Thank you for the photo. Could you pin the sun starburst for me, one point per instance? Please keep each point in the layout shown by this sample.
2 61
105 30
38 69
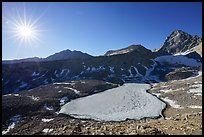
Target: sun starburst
23 28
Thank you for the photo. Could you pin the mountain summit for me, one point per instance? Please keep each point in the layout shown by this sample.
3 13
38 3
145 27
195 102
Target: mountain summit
67 54
129 49
179 41
62 55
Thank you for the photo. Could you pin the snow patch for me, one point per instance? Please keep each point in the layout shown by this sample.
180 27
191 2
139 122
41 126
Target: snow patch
120 52
8 129
187 51
157 94
170 90
195 106
47 130
47 120
111 69
63 70
148 75
75 91
14 120
34 98
63 100
62 73
7 95
16 95
172 103
64 83
196 88
198 94
57 87
199 73
178 59
23 85
48 107
88 69
52 79
45 81
35 74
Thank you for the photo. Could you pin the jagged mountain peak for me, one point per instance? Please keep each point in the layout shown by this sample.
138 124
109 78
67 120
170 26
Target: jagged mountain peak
179 41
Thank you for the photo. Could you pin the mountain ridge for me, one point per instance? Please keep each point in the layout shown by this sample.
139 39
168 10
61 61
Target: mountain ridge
62 55
179 41
138 65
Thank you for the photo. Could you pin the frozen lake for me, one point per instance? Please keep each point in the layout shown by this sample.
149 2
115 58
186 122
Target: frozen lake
128 101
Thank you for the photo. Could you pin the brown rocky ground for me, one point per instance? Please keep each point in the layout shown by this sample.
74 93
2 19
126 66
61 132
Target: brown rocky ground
180 124
179 118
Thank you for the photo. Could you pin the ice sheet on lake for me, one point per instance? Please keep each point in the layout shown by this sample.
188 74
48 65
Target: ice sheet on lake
128 101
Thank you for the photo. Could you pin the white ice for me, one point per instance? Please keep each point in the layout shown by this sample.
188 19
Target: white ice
128 101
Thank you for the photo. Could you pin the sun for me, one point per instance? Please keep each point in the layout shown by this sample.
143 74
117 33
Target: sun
25 31
22 27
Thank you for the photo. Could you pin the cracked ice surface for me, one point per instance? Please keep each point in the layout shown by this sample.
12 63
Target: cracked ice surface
128 101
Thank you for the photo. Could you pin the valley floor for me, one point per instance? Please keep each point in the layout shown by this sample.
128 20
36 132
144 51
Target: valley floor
183 116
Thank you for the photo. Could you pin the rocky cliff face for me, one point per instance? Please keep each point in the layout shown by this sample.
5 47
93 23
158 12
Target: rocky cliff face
198 49
178 42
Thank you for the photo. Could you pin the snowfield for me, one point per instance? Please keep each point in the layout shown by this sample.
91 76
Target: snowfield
178 59
130 101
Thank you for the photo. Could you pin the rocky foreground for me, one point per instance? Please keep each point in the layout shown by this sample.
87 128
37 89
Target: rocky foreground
38 114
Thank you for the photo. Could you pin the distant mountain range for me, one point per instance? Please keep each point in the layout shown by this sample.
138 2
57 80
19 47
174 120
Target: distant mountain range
63 55
132 64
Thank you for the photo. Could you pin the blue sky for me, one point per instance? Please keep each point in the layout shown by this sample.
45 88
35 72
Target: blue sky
95 28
